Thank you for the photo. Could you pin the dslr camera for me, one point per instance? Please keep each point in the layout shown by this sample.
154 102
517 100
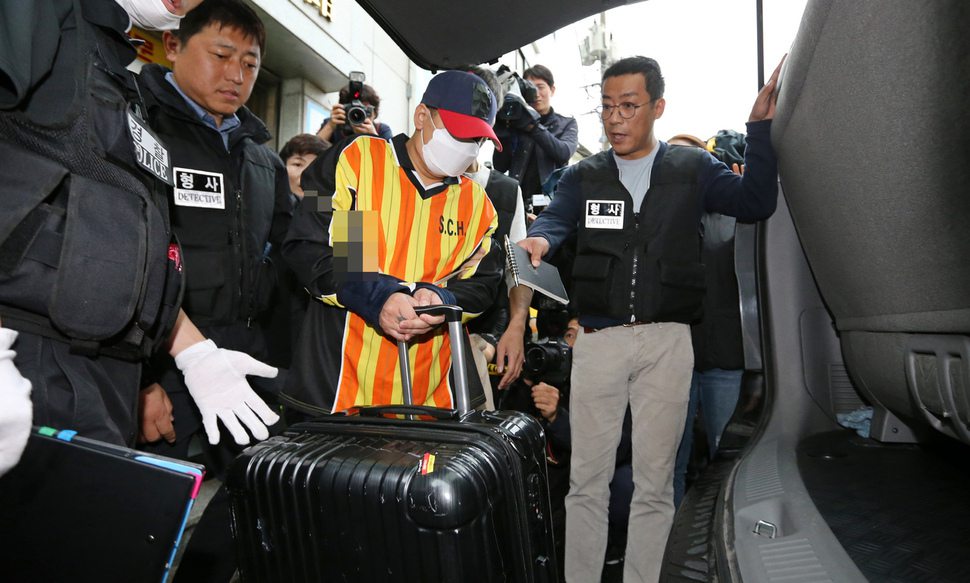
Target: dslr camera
517 111
357 112
549 361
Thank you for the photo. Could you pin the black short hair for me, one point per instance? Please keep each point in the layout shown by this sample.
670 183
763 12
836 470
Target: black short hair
231 13
303 144
367 95
540 72
488 76
643 65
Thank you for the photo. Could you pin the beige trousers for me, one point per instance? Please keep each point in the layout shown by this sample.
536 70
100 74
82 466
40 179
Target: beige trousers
648 366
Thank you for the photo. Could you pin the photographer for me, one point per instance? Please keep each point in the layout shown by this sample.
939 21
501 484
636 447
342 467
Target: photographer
337 126
537 140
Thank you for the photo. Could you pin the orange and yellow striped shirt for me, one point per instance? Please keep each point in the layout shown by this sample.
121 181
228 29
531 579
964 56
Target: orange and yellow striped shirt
378 211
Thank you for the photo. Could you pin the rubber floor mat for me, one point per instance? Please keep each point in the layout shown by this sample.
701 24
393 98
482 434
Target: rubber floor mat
902 512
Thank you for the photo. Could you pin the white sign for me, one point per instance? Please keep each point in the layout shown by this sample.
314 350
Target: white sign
199 189
604 214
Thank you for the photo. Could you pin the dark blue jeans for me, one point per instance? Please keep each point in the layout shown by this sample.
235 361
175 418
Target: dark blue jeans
716 392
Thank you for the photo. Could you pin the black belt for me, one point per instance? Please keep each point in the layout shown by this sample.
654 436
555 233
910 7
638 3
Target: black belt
588 330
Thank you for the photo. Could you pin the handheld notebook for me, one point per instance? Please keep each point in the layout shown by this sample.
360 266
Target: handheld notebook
76 509
544 279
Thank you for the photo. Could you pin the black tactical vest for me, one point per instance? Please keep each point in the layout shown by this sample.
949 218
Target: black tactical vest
84 242
641 264
227 271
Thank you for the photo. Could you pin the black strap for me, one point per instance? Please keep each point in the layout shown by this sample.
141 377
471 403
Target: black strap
382 410
126 349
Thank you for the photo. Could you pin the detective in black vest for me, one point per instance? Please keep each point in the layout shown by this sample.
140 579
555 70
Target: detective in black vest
638 282
230 201
230 206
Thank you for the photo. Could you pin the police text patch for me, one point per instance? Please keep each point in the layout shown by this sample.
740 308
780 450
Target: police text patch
150 152
200 189
604 214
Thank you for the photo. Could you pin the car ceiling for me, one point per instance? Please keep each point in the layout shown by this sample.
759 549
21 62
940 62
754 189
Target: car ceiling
444 34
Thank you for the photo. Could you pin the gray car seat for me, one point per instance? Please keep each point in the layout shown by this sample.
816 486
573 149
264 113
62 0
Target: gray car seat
873 137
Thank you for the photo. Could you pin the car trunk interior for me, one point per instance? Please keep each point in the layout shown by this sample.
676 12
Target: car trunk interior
863 290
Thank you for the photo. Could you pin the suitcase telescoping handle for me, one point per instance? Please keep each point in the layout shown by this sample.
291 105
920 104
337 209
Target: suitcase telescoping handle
452 316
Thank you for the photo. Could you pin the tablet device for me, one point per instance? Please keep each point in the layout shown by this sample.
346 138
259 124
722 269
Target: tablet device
77 509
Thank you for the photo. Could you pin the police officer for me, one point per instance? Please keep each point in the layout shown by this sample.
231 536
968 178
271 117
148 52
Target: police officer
88 277
230 205
230 201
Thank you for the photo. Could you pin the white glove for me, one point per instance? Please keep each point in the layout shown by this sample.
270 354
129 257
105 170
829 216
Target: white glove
216 379
16 411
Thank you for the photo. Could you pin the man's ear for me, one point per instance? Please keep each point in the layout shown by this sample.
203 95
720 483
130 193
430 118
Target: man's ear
658 109
421 116
172 45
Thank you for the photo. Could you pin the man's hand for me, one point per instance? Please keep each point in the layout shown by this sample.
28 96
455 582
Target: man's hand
510 354
483 346
398 308
329 131
367 128
546 399
537 248
338 116
510 350
398 319
764 104
216 379
155 415
425 322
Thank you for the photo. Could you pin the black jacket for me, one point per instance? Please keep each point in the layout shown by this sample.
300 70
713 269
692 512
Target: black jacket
502 191
227 276
717 336
530 157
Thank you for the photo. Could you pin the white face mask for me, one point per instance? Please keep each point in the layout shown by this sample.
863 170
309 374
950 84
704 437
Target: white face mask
150 14
446 156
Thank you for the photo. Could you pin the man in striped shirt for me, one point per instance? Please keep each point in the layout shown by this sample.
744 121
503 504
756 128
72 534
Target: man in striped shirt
386 226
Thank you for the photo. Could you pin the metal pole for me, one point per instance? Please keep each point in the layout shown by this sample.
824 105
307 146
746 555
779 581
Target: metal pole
402 355
760 15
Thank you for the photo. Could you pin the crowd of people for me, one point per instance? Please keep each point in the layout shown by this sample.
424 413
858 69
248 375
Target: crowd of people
164 274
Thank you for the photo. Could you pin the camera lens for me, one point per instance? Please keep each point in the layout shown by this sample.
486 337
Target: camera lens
535 359
356 115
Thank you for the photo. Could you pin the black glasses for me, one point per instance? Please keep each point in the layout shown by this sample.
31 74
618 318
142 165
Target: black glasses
627 110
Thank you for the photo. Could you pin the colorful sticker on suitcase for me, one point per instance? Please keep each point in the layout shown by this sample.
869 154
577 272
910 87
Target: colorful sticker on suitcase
426 465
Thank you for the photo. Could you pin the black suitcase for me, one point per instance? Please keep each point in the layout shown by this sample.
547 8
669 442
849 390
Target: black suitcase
462 497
